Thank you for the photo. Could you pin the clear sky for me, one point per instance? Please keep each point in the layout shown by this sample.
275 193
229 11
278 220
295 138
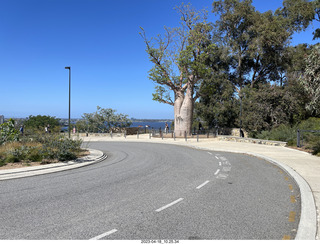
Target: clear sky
100 40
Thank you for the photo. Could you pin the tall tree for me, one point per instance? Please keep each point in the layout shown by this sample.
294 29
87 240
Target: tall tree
235 32
179 64
256 41
298 13
268 106
217 104
310 80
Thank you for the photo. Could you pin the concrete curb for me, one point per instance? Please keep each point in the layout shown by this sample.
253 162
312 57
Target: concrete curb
94 157
307 229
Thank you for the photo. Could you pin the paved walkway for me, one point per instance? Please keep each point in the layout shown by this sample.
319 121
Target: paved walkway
305 169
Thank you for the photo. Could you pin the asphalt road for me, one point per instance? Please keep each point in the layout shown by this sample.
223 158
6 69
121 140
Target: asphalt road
154 191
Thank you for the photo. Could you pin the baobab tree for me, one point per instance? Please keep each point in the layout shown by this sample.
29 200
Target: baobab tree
179 58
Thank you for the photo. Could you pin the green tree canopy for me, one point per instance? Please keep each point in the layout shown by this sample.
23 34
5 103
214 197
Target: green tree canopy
268 106
102 121
256 42
310 80
39 122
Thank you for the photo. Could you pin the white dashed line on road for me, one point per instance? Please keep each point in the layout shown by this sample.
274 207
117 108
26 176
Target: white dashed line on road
217 172
226 169
222 176
104 234
203 184
169 205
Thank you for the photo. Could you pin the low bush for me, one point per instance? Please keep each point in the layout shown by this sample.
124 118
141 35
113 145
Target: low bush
2 161
282 133
316 148
46 149
289 134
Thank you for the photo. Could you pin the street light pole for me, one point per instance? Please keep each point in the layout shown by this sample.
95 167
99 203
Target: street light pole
240 115
69 128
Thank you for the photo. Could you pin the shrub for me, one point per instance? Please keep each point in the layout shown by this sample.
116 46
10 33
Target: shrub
51 149
34 155
2 161
289 134
281 133
316 148
8 132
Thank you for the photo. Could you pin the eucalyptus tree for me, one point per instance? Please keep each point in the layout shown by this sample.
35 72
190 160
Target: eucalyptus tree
310 80
299 13
256 41
179 59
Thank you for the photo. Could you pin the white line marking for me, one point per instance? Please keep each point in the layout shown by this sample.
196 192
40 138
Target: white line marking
209 153
169 205
226 169
217 157
203 184
222 176
104 234
217 172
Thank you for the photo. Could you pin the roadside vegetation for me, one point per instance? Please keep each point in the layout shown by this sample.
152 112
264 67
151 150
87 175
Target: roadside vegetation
37 146
310 140
241 70
104 120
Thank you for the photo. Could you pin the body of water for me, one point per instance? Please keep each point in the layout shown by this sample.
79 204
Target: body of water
154 125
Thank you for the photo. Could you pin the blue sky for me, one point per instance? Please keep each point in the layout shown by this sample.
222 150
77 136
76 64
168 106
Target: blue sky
100 40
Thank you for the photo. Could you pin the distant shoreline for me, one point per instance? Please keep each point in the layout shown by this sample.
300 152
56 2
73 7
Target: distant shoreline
151 120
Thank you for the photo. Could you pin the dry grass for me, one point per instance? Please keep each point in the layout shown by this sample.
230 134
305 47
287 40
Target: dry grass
16 165
14 145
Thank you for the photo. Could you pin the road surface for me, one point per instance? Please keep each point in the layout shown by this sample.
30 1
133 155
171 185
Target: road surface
154 191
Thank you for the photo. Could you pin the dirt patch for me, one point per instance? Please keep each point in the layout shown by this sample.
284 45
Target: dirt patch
30 164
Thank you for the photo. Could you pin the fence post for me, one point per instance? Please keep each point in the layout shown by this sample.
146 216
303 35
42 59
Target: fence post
149 134
185 135
111 134
298 138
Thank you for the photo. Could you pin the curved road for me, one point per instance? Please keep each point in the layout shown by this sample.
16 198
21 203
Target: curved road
154 191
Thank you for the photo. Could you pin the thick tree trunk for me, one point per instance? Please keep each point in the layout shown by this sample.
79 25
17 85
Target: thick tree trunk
183 113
